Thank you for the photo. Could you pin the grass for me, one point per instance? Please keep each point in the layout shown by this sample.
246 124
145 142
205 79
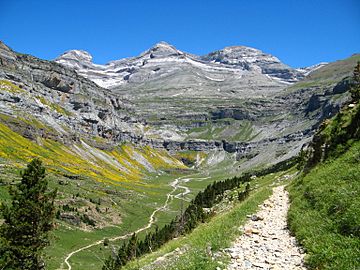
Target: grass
137 192
10 87
224 129
325 212
54 106
134 210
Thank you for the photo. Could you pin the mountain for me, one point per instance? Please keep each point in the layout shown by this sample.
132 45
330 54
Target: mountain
253 59
166 98
307 70
164 59
164 77
60 99
167 124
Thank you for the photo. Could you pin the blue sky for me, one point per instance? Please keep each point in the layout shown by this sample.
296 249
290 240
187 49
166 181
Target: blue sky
300 33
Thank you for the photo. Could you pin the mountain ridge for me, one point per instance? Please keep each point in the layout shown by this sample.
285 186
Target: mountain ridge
165 112
117 72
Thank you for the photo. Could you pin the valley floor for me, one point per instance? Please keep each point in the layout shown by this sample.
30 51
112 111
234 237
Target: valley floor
169 197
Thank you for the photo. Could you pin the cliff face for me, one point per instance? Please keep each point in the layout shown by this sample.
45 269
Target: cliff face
163 59
238 100
66 104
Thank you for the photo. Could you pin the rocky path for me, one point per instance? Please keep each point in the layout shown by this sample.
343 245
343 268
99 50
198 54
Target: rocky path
266 243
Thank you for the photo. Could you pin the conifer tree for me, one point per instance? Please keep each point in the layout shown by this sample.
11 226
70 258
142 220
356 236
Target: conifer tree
131 250
27 221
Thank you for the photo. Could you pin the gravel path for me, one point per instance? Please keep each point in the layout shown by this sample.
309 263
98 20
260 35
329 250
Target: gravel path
266 242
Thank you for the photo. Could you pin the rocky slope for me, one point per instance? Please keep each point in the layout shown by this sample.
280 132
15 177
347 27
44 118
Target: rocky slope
58 98
237 99
234 94
163 59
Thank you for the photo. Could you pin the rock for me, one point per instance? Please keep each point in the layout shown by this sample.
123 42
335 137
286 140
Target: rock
70 218
253 59
313 104
67 96
343 86
256 218
247 264
248 231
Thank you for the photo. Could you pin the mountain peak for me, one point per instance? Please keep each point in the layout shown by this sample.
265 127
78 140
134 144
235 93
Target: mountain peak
162 49
163 45
240 48
78 55
244 53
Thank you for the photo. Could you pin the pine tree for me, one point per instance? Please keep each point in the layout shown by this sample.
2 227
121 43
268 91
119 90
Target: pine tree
131 250
122 258
27 221
355 89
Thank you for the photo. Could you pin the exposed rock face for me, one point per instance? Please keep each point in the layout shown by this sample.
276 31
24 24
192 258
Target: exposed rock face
59 98
163 59
176 91
253 59
76 56
236 100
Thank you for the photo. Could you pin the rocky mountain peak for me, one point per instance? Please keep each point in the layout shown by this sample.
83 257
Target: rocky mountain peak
162 49
238 55
164 59
253 59
163 45
77 55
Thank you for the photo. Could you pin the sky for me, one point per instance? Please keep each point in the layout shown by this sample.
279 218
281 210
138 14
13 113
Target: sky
300 33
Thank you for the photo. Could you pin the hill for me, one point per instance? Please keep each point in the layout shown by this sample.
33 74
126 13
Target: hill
324 213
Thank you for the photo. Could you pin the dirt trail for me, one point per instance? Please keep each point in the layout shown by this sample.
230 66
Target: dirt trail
266 243
169 196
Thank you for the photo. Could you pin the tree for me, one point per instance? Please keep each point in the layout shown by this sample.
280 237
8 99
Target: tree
27 221
131 250
355 89
106 242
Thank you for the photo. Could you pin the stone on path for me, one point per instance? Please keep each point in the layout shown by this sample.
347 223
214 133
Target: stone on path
266 243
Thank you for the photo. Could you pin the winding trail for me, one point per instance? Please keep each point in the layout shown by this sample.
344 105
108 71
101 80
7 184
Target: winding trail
169 196
266 243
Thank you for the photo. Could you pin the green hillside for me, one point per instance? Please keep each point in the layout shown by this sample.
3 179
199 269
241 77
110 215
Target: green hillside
325 210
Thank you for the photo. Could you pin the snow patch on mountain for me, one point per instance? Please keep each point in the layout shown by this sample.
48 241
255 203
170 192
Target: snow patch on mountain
163 59
307 70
